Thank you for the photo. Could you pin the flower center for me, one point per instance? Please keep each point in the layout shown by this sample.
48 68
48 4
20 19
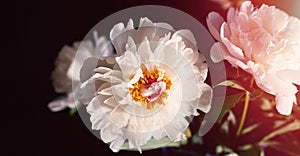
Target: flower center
151 88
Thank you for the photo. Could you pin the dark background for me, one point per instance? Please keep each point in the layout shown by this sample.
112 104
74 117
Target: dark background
46 26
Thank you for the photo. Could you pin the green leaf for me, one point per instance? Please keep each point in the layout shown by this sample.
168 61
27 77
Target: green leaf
72 111
154 143
229 102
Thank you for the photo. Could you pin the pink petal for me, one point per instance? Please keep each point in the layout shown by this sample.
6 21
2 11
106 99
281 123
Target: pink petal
246 7
292 76
214 22
217 52
284 104
233 49
283 90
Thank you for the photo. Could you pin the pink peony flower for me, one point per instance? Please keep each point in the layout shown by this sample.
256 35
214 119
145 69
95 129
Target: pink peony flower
225 4
265 42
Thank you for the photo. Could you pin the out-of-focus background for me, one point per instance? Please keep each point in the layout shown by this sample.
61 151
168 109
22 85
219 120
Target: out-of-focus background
49 25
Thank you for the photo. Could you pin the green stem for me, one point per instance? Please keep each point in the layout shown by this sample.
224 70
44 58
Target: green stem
245 110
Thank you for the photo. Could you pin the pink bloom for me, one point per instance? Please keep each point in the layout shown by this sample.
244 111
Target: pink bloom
225 4
265 42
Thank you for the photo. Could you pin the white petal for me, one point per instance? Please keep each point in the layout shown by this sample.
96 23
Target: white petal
111 102
85 51
106 91
88 90
176 128
58 104
90 64
128 63
144 50
190 55
137 76
130 45
107 135
187 34
116 31
97 115
102 70
103 47
116 145
206 98
203 103
202 68
145 22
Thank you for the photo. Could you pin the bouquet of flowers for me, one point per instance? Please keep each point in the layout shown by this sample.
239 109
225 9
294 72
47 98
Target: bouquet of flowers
153 86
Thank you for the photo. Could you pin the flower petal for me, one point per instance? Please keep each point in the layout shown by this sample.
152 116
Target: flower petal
90 64
103 47
128 63
214 22
144 50
58 104
219 52
175 128
130 45
186 34
284 104
232 49
116 145
206 98
118 29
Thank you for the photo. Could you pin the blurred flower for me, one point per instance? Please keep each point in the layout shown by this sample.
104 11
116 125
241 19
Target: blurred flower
63 73
265 42
225 4
147 91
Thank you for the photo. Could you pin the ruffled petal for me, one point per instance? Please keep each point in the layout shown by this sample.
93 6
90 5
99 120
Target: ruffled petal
117 144
128 63
283 90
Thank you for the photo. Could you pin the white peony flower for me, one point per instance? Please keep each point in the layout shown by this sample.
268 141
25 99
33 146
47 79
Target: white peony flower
146 92
65 70
265 42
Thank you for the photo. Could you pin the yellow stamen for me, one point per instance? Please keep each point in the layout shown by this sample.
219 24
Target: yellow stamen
148 78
